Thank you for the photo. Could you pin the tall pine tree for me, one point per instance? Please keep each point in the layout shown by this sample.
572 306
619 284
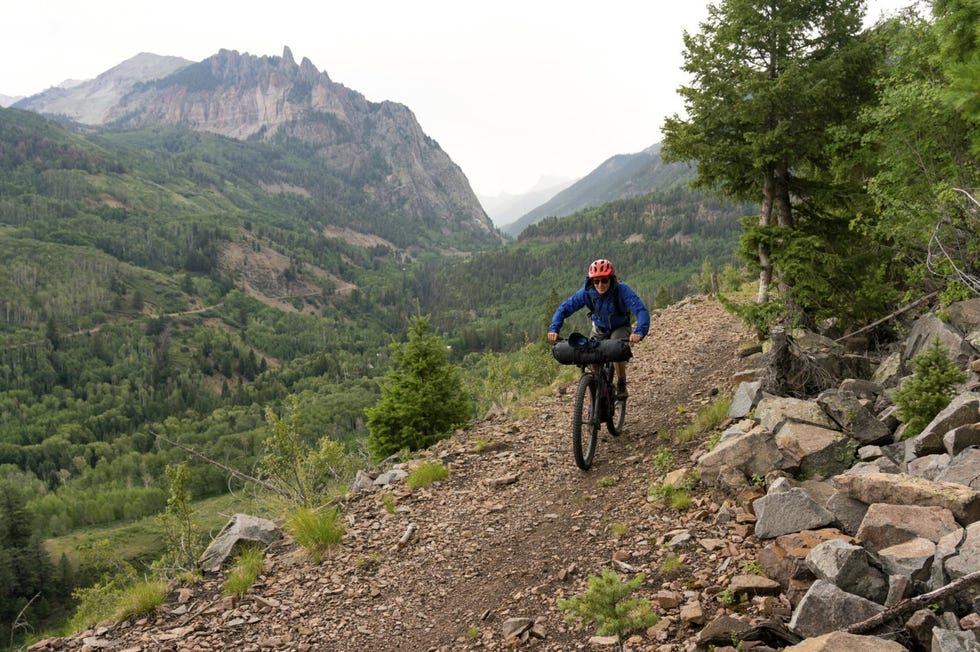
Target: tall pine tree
26 576
770 79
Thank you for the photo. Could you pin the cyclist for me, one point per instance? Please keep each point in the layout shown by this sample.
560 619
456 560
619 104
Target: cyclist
610 304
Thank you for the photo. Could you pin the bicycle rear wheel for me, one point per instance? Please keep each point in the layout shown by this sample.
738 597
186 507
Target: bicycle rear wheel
617 417
613 409
585 421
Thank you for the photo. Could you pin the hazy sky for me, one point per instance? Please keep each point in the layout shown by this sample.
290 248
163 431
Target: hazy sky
513 91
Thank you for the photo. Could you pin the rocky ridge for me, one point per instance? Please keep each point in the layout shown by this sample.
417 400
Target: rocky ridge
761 558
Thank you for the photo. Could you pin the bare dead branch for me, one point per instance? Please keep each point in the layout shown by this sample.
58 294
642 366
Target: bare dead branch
898 312
409 531
914 604
227 469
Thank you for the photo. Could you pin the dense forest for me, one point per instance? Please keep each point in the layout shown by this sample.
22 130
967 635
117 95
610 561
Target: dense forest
163 285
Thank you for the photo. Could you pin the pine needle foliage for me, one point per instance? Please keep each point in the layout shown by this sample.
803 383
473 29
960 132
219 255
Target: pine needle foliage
422 398
609 604
929 390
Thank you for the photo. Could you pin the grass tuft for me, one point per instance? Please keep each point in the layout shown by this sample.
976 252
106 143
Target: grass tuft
426 473
316 530
248 566
140 598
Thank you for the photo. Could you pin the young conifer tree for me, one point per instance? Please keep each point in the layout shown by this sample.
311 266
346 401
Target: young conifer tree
422 397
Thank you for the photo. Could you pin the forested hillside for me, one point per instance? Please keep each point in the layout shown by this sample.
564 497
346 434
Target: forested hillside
619 177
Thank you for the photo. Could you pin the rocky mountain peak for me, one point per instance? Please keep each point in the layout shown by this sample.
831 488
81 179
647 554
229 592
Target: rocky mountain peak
287 57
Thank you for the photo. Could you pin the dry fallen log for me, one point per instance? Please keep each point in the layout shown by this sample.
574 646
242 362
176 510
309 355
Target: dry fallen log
914 604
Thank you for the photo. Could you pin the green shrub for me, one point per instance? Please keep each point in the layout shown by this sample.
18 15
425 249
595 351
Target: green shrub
96 603
678 498
301 474
315 530
663 461
248 566
608 604
426 473
100 601
183 538
928 391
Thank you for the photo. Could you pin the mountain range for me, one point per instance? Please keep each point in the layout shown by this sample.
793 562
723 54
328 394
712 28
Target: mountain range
377 148
506 208
619 177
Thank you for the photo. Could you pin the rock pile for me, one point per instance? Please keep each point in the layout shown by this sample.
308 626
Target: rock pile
859 521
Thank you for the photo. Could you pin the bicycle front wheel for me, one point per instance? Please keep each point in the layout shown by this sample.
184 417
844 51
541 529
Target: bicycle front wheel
585 421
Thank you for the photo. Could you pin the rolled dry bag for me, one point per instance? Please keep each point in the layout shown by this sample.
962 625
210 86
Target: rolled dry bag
593 352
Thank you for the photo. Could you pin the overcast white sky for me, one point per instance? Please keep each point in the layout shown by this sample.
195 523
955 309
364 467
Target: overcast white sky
513 91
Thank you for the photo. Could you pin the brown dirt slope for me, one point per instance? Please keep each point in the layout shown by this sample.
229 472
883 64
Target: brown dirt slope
514 528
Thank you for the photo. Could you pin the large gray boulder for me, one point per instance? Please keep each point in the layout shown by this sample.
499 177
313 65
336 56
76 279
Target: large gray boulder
828 608
844 642
963 410
929 327
902 489
775 410
815 451
241 529
788 511
853 417
754 453
849 567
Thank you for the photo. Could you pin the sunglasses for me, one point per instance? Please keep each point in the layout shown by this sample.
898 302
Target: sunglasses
604 279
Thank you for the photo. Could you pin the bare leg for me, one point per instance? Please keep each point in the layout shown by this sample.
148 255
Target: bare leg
620 370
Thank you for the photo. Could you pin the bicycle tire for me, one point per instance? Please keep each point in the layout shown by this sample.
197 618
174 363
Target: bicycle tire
613 409
617 418
585 414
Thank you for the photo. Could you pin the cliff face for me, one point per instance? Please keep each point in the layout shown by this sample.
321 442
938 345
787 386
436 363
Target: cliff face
378 147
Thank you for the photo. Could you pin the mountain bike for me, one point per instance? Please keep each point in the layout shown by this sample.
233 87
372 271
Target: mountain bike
596 401
595 404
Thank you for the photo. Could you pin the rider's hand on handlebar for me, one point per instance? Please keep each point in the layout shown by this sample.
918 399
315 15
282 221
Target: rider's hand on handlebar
552 337
635 338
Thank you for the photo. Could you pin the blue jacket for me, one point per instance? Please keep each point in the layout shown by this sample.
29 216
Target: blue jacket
610 310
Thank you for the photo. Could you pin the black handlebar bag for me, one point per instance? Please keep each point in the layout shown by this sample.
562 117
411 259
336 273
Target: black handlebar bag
579 350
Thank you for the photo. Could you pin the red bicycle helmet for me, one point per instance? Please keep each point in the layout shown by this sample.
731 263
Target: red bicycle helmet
601 267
